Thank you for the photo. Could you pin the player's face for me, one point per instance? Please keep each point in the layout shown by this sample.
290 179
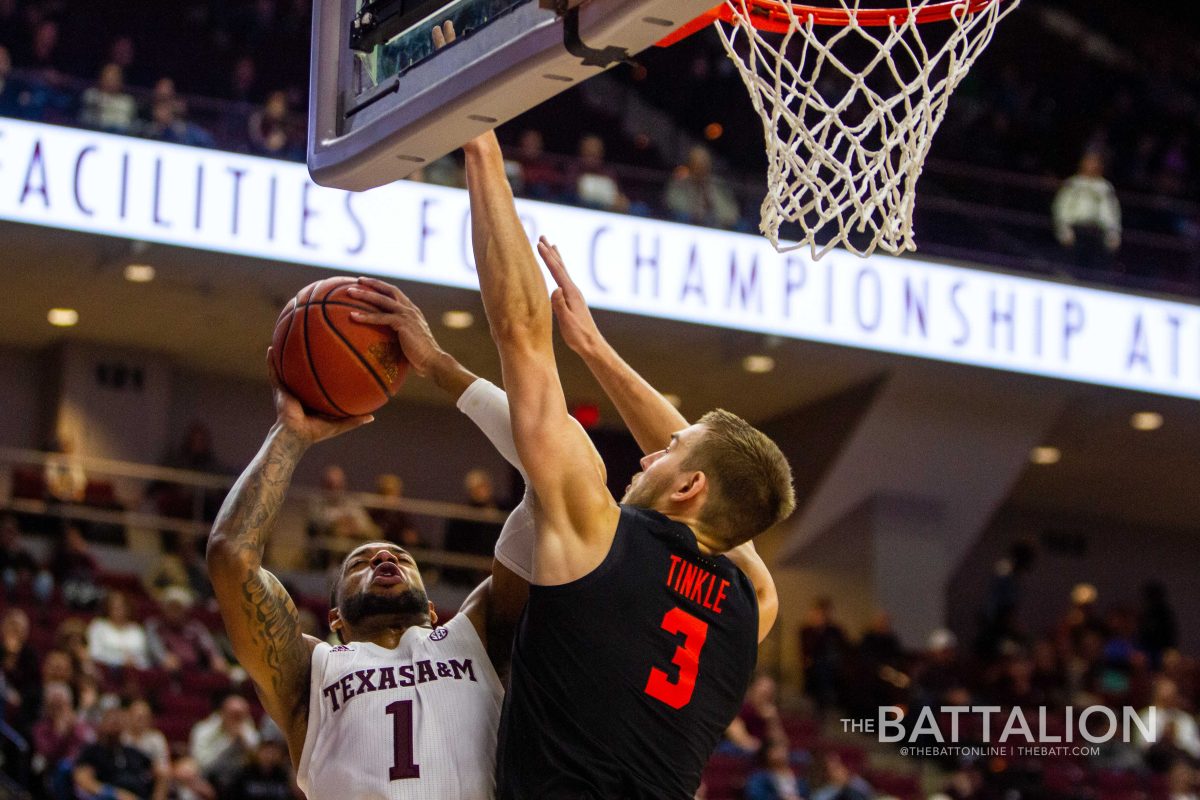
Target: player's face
660 470
381 580
380 568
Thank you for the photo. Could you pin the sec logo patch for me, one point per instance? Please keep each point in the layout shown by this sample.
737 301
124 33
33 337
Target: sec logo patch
438 634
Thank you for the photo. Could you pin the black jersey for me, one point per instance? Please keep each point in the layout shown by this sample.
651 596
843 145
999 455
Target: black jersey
624 680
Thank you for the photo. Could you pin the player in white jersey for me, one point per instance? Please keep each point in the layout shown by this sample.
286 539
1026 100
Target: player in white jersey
401 709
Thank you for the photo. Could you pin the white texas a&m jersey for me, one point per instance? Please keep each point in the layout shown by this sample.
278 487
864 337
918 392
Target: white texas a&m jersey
414 723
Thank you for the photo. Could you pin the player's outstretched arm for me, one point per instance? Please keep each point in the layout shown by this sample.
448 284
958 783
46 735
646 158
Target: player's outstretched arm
577 515
259 615
647 414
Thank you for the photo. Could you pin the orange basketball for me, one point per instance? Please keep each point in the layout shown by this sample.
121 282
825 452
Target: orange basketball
333 365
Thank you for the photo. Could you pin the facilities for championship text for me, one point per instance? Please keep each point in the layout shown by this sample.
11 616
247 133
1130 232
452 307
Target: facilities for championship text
333 365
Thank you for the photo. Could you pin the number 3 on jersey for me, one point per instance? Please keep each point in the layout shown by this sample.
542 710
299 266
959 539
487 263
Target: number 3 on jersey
678 693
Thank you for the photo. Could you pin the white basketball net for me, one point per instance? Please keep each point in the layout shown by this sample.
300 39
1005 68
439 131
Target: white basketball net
849 113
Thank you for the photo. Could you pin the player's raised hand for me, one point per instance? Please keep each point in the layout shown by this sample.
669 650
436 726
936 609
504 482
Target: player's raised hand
570 308
290 414
394 310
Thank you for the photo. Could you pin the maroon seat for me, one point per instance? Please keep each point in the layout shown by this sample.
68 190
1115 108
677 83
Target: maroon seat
28 483
100 494
184 704
176 729
204 682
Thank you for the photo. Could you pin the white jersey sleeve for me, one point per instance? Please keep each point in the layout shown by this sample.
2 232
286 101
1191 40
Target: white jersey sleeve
417 722
487 406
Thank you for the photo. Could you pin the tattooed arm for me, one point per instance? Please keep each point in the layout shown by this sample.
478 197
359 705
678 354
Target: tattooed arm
259 616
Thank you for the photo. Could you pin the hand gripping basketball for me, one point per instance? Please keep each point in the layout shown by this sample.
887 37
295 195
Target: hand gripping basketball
290 414
394 310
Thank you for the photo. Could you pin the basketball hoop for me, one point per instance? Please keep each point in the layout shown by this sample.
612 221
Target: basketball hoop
849 99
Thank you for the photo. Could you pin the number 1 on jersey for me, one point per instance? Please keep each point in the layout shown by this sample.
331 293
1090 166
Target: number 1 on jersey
403 767
678 693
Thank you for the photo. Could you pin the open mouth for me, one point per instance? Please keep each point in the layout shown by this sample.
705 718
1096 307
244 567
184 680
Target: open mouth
388 574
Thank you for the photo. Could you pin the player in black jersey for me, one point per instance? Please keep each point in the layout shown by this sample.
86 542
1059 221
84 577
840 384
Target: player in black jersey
639 637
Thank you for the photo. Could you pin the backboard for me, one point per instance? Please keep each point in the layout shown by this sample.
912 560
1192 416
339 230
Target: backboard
383 102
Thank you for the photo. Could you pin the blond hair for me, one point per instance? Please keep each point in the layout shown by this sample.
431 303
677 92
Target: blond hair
750 479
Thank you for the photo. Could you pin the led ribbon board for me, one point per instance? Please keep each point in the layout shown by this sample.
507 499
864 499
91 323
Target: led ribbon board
229 203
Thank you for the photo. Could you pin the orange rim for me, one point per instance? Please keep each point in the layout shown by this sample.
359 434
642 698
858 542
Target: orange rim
772 16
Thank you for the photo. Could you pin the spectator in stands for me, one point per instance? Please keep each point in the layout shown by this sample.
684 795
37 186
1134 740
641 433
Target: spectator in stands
1048 678
42 96
1181 782
1082 619
999 626
10 88
107 106
222 742
18 662
823 647
19 570
540 177
141 734
71 638
187 783
840 781
76 570
876 671
168 123
59 734
267 776
271 131
1175 733
937 678
393 523
694 195
123 53
776 778
1087 216
473 536
181 566
243 86
759 715
42 55
115 639
178 641
195 453
11 24
334 514
593 183
1158 628
57 667
110 769
66 481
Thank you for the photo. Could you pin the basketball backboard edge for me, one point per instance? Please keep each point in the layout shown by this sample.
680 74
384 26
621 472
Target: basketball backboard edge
515 62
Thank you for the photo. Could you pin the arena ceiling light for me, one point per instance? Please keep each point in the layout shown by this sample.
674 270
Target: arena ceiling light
458 320
758 363
1146 421
139 273
1045 455
62 317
